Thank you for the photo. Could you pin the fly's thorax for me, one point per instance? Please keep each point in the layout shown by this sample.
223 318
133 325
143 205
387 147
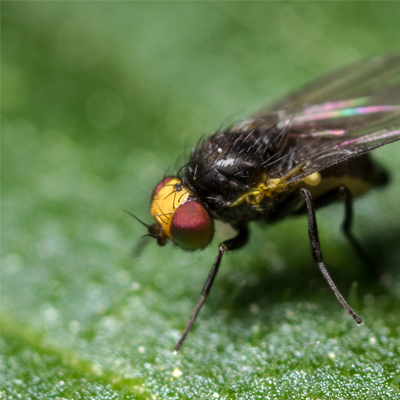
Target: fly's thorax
181 216
229 163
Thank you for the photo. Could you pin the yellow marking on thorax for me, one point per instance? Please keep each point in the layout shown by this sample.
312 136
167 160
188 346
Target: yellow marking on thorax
317 185
267 188
166 201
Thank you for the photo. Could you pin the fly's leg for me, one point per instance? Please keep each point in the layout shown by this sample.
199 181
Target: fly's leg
291 206
346 227
228 245
334 195
316 250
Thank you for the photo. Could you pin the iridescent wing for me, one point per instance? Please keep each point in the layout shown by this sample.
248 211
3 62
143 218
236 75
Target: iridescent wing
360 79
341 115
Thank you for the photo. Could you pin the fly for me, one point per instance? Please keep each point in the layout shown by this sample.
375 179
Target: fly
303 152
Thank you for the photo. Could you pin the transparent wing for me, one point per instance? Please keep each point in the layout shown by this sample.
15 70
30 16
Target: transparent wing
361 79
339 116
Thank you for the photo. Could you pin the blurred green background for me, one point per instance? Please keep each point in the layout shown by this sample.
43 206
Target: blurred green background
98 99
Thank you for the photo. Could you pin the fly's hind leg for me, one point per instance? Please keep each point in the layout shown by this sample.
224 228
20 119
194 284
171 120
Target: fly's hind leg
339 193
299 196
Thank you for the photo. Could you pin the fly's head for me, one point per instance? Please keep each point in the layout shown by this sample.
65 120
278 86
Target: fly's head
179 216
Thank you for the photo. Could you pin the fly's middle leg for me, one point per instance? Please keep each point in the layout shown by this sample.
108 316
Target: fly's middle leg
343 193
303 195
316 251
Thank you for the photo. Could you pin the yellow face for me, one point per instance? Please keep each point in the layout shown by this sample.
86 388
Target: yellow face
184 221
169 195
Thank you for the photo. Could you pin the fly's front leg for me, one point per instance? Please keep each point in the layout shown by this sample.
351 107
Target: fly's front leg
228 245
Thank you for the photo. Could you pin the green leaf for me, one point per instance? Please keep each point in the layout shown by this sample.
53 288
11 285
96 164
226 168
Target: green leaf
98 99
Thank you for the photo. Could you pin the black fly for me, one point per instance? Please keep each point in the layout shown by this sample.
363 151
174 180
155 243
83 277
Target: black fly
301 153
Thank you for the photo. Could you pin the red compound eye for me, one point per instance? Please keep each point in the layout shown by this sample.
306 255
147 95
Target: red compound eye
191 226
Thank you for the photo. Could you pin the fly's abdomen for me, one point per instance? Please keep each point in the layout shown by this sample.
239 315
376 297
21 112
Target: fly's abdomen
358 174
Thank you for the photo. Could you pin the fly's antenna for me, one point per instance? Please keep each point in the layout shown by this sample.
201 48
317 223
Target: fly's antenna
148 235
141 244
137 219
